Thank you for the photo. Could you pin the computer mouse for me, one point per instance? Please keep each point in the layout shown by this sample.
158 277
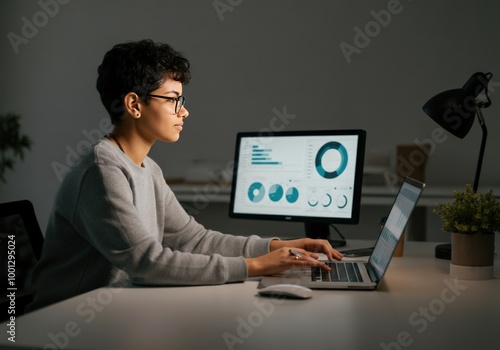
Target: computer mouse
286 290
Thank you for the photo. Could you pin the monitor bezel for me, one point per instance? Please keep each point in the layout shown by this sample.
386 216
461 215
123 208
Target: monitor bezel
358 178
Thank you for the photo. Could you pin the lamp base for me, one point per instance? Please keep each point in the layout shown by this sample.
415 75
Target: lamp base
443 251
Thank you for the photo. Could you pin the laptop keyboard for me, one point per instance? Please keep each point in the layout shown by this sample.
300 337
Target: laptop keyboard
340 272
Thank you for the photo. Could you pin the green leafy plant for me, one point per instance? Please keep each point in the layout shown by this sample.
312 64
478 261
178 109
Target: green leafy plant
470 212
12 142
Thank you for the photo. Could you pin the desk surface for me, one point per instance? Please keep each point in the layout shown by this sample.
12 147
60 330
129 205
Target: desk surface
418 306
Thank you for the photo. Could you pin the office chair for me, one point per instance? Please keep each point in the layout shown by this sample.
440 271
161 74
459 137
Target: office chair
21 243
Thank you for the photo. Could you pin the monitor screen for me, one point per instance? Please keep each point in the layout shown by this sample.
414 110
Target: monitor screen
308 176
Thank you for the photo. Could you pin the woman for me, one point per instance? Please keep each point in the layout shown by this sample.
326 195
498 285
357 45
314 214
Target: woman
116 221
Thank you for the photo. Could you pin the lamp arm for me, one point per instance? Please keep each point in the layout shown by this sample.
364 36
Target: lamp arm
481 150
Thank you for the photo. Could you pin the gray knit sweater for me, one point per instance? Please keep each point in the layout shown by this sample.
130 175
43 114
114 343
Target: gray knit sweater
114 222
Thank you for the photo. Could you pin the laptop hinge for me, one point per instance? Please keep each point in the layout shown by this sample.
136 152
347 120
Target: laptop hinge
372 273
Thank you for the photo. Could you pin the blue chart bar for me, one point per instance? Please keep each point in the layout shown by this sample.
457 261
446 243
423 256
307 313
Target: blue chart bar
261 156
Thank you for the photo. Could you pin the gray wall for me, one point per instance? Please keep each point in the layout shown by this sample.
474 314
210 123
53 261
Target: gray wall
256 57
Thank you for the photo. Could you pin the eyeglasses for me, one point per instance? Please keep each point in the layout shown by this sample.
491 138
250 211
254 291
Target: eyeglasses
179 101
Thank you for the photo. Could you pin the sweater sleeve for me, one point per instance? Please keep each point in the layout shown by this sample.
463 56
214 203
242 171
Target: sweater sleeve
183 232
190 255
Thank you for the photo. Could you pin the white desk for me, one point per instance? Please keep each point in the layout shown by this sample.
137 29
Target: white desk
418 305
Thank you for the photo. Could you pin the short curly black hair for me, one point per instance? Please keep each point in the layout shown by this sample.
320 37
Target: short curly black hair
140 67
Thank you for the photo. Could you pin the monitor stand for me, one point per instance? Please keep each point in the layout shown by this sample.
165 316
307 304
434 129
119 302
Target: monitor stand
322 231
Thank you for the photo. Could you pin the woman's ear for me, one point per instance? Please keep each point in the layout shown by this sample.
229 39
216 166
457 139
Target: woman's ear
132 105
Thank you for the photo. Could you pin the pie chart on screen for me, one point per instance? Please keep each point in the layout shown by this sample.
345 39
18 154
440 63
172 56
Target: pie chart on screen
275 193
292 194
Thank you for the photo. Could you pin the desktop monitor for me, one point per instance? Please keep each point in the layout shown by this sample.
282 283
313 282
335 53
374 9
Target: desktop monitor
313 177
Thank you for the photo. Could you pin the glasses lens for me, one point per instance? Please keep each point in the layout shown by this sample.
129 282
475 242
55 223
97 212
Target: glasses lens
179 103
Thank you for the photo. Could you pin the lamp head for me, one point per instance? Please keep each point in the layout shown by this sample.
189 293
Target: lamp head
454 110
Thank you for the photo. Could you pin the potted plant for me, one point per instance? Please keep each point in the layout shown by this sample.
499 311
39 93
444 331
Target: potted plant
12 142
472 218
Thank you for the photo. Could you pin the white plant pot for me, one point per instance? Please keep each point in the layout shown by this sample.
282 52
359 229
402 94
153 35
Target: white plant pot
471 272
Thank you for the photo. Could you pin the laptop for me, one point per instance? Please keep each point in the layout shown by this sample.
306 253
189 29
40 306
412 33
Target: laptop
360 274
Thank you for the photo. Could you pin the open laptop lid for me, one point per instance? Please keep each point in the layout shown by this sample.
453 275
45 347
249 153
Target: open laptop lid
404 203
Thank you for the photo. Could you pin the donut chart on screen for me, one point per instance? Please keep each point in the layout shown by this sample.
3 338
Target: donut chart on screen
312 200
326 200
256 192
342 201
334 145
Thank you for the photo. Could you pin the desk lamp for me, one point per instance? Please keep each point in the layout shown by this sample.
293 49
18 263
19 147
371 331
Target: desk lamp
455 110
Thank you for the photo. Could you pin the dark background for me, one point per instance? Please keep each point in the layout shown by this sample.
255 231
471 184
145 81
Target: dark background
254 57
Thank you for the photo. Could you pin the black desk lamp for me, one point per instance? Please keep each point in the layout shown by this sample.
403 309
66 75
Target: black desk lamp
455 110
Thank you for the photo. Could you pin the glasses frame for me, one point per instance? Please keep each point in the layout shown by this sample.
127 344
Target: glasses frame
178 106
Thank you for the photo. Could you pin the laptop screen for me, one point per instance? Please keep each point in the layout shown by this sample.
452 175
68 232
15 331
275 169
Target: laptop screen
401 210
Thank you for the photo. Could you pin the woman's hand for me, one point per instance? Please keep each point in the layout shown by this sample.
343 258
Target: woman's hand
281 259
310 245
